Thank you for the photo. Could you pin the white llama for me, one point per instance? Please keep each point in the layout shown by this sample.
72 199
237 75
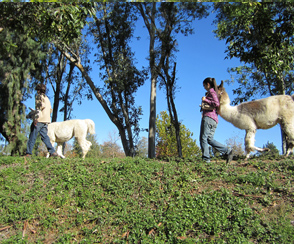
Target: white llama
61 132
259 114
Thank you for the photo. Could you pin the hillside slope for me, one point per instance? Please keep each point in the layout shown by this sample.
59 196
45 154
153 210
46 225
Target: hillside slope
136 200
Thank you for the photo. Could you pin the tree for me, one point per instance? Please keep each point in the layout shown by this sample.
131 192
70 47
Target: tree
261 36
67 150
272 152
142 148
77 150
163 21
110 148
19 58
112 29
166 139
236 144
95 150
59 70
3 110
169 84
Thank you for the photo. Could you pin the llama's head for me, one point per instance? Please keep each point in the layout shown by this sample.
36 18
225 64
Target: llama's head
223 95
32 114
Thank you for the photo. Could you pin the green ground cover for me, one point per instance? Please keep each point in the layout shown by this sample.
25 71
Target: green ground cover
136 200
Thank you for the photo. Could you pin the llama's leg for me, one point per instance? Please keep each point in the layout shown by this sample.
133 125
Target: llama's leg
85 146
288 129
290 149
59 150
249 143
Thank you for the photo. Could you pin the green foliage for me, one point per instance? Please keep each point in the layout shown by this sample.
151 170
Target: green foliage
111 149
261 36
166 145
50 22
17 63
145 201
94 152
273 150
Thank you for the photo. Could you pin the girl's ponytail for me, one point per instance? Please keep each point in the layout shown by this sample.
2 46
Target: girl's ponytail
215 86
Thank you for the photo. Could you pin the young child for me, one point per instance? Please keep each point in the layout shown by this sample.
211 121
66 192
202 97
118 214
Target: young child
210 104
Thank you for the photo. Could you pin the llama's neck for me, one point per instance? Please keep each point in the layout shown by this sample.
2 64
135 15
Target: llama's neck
226 111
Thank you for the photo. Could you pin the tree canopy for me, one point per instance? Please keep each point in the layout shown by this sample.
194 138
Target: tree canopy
260 34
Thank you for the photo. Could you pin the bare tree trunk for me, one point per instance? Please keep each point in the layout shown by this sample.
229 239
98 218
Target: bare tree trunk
149 20
152 120
176 124
169 86
60 71
65 112
66 105
56 102
174 112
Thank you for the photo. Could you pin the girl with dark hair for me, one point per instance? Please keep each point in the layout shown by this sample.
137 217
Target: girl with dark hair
210 104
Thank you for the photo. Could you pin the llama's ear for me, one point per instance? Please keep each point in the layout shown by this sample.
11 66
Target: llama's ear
221 84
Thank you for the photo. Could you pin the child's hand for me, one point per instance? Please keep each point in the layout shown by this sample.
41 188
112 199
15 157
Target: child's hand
203 98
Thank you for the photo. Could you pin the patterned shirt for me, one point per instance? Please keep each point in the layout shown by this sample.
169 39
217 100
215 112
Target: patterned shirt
211 99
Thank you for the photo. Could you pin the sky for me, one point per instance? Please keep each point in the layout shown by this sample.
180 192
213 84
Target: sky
200 55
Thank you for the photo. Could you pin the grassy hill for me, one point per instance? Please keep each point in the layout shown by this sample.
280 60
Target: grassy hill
136 200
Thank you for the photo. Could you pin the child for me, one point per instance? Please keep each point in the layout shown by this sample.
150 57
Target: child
210 104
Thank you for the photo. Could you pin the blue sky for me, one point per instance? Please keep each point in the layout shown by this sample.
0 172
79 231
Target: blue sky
200 55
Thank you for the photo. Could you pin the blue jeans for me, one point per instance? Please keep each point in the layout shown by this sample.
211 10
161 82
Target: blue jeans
42 129
207 130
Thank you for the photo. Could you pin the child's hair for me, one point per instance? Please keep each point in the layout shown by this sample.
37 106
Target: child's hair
41 88
212 83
